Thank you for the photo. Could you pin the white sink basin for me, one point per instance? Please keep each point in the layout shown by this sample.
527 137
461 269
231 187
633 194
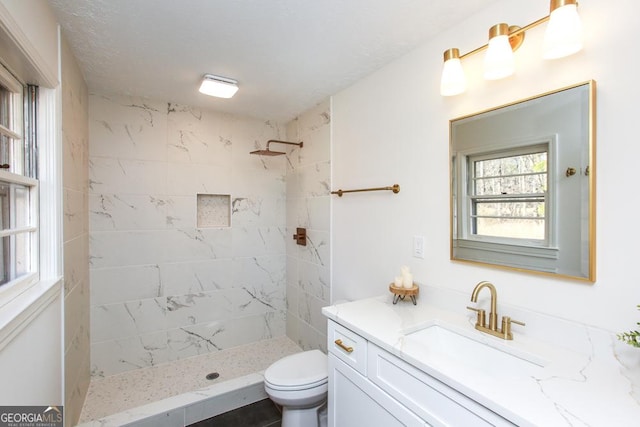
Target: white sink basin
472 349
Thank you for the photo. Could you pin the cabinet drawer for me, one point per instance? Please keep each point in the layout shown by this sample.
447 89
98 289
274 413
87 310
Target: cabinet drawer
432 400
348 346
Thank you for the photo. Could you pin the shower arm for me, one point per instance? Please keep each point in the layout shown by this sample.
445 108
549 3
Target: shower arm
299 144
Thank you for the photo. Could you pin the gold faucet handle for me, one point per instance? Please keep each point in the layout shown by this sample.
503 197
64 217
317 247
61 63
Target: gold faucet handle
506 326
481 319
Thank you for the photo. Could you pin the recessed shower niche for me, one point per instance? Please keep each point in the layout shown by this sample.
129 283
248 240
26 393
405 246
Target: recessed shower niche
213 210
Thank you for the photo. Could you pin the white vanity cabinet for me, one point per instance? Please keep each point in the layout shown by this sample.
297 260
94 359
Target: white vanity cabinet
353 399
369 386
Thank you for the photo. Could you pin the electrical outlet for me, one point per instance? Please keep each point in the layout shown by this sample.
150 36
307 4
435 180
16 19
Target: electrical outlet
418 247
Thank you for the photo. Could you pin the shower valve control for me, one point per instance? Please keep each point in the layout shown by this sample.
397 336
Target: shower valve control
301 236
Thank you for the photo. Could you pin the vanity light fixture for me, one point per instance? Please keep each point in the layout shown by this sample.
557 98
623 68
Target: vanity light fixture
220 87
563 37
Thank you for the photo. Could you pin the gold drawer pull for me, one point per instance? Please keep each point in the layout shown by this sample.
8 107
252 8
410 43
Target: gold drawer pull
344 347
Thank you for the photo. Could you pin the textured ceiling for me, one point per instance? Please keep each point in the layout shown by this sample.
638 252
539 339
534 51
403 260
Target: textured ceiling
287 55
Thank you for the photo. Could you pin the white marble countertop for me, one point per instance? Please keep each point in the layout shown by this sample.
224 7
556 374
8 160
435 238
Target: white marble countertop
587 377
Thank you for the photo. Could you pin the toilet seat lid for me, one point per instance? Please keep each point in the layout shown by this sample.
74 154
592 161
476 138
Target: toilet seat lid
300 369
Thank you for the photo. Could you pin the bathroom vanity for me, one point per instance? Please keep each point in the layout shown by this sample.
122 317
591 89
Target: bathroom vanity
372 387
427 365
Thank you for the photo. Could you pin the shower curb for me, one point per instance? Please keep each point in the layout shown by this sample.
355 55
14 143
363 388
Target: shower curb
191 407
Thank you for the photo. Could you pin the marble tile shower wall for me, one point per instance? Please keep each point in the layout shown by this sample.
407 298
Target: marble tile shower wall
162 289
75 162
308 205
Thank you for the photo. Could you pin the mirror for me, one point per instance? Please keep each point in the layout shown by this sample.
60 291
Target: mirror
523 184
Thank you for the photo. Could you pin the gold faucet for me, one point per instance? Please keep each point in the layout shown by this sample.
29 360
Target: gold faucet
481 325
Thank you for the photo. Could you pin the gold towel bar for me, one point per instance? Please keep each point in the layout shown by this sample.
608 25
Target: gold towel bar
395 188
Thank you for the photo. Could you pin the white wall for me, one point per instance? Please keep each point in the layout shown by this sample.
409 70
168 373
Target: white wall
30 365
392 127
32 26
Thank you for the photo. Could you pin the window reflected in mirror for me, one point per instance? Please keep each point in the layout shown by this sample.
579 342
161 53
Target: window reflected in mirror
508 195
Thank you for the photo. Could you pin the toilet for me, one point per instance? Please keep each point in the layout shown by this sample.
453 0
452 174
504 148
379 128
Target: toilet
299 384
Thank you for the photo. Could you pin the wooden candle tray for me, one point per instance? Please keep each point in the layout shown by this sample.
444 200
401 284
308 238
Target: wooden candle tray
399 293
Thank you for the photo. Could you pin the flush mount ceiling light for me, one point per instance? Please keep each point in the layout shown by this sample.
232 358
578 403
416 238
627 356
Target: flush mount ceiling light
220 87
563 37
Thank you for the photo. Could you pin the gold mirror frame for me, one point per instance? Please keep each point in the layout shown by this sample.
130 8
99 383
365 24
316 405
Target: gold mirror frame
562 171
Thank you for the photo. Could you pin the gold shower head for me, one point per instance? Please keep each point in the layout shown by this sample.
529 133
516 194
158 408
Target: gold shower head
268 152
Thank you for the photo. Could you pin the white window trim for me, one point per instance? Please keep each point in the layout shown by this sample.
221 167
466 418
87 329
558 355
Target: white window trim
9 81
50 170
469 197
28 298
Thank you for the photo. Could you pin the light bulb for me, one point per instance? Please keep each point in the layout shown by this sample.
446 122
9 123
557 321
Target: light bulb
563 36
498 61
453 81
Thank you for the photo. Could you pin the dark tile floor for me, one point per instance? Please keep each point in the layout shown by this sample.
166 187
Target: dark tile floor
263 413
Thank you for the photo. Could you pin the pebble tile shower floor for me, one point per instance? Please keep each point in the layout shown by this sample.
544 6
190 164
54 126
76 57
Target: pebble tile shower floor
117 393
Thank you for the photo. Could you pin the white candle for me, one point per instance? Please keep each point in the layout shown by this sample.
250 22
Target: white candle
407 280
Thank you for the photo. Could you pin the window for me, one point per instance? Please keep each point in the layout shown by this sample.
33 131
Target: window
18 185
508 195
